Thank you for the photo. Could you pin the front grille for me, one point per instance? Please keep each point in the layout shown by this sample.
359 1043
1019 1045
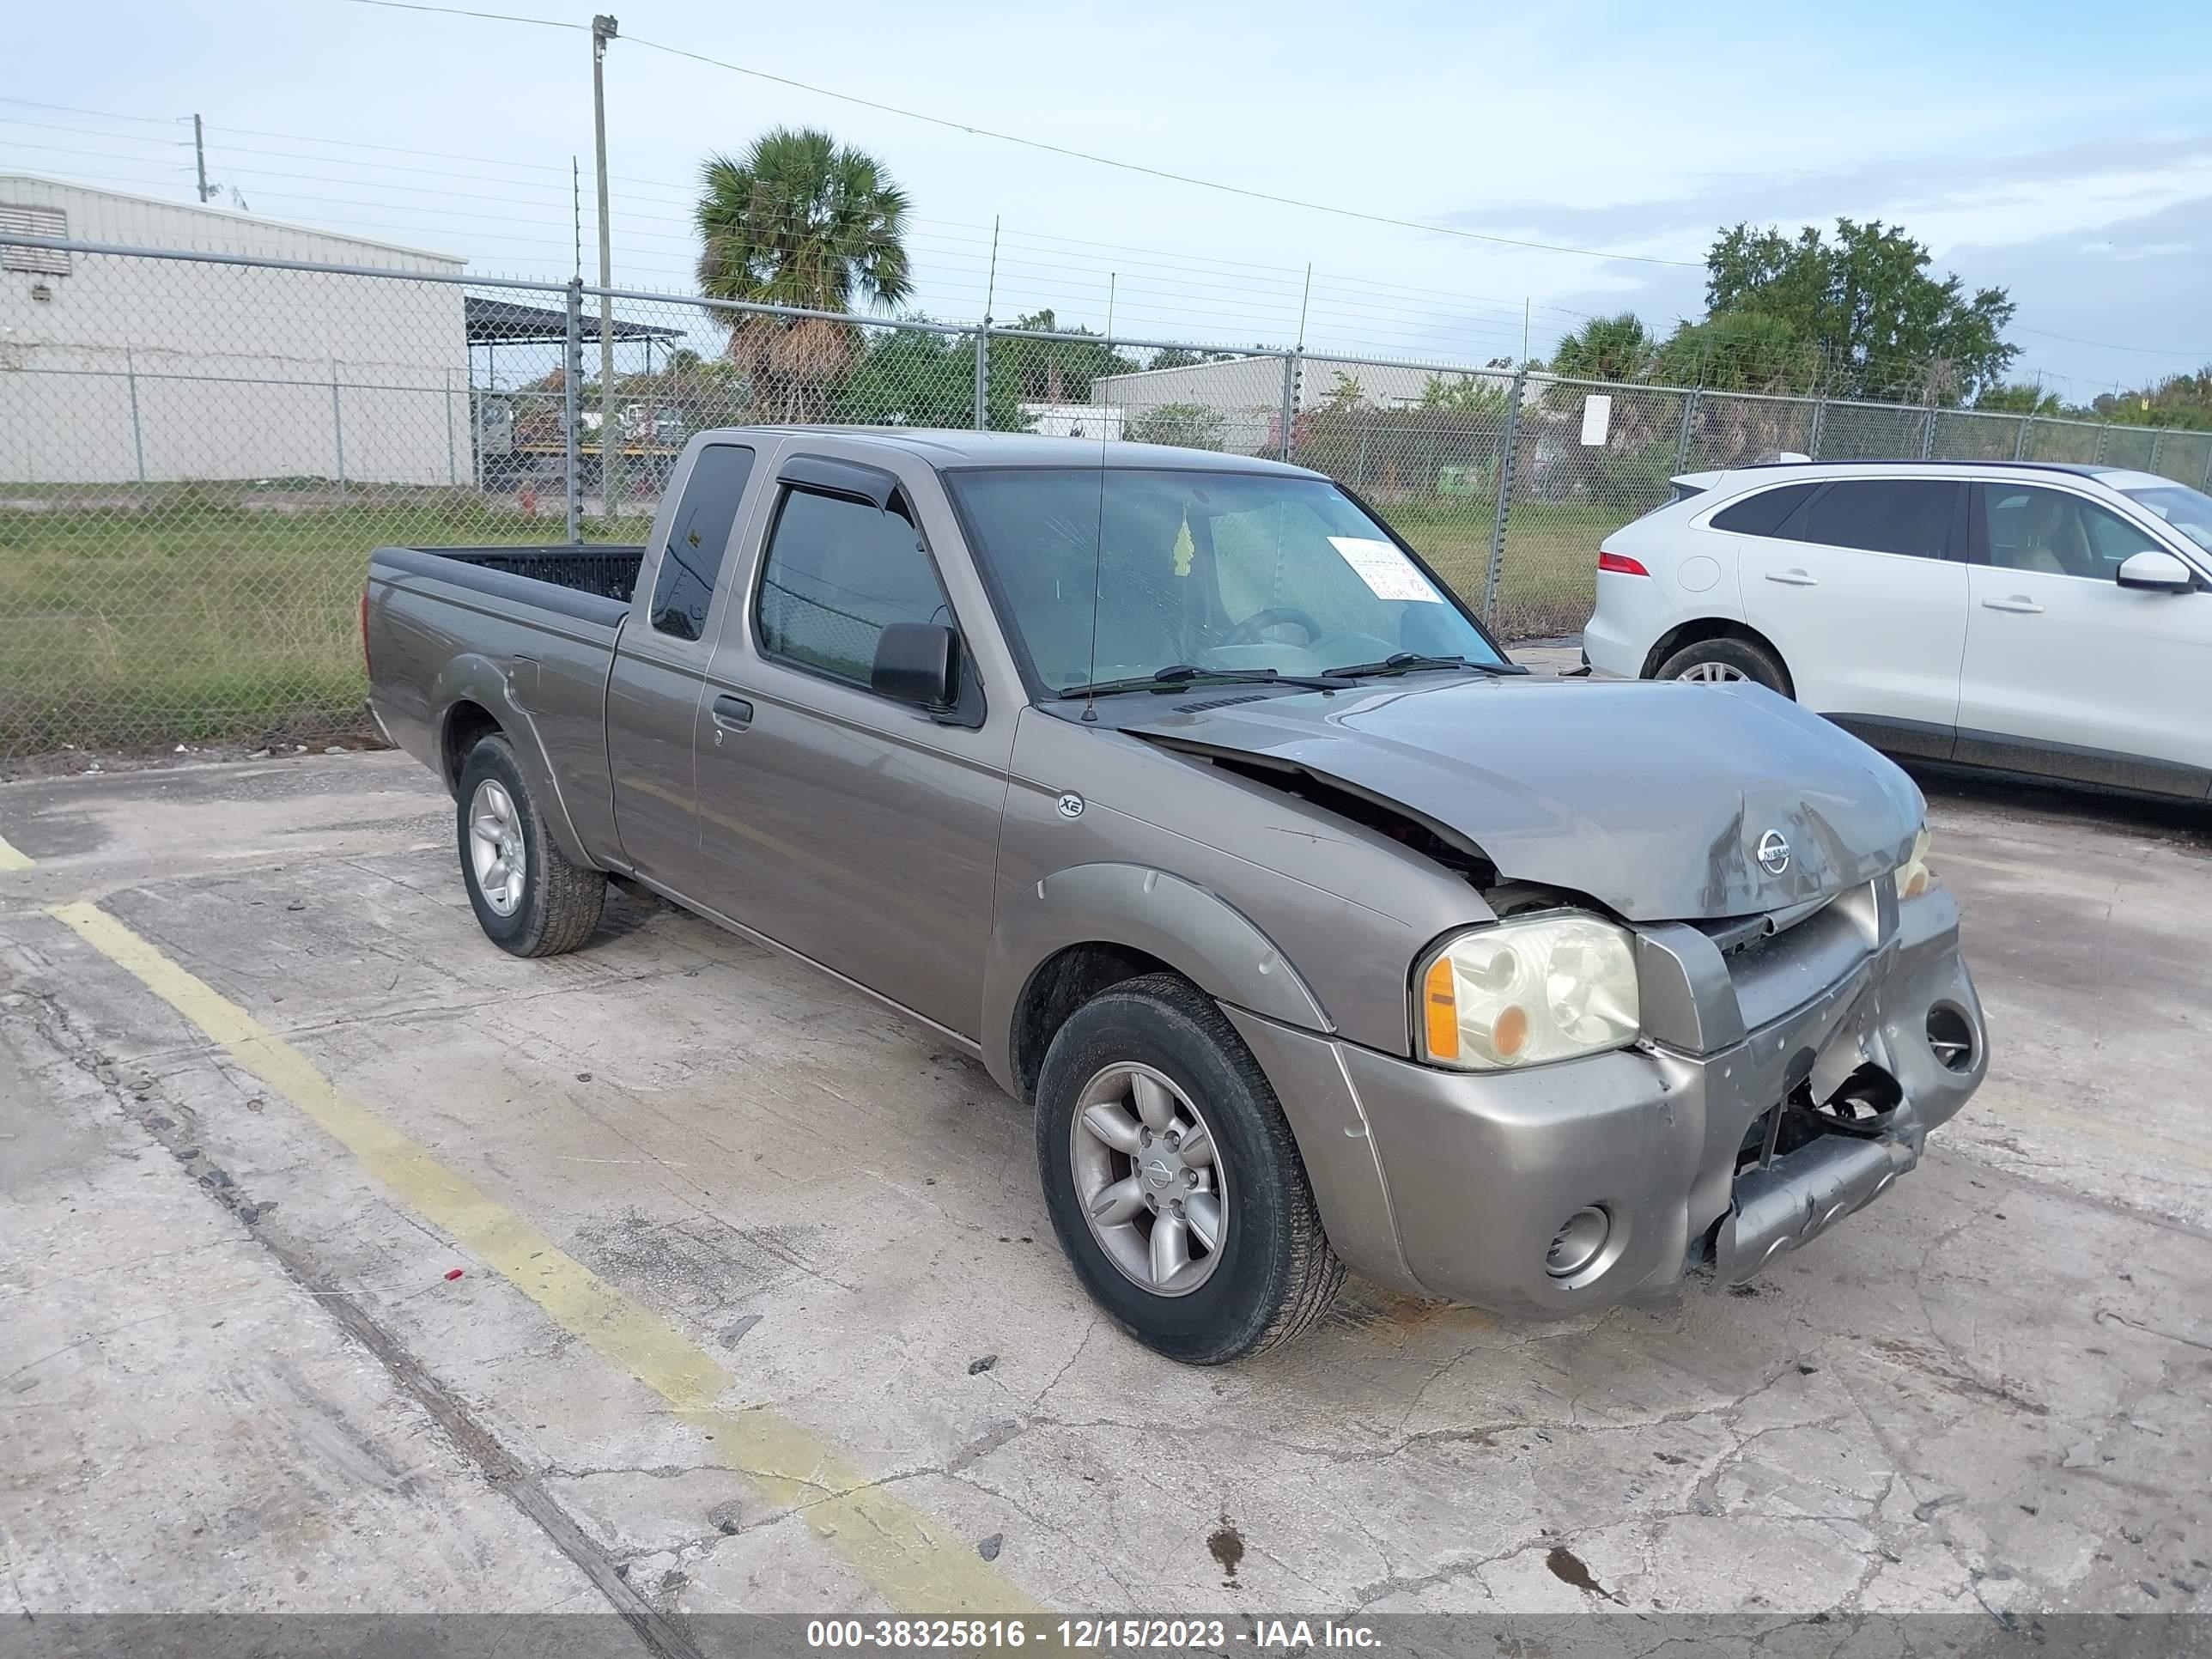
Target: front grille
1783 960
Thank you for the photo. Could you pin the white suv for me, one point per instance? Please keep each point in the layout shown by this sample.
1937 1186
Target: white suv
2046 619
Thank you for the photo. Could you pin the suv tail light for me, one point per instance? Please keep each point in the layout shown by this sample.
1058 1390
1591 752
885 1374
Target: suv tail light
1620 564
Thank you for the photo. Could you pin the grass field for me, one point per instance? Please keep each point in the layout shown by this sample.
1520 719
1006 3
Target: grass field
188 613
1549 576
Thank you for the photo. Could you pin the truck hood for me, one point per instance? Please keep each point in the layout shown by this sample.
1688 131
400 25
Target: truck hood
1652 798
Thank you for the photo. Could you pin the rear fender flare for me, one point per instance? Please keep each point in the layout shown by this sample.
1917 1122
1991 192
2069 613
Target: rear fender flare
504 692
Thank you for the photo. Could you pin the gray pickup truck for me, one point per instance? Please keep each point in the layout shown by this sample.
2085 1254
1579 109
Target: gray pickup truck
1176 789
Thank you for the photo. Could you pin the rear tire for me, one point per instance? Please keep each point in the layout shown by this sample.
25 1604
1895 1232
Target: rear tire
547 906
1268 1273
1727 660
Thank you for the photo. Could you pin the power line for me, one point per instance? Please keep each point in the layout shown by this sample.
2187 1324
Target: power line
105 114
488 16
1055 149
2107 345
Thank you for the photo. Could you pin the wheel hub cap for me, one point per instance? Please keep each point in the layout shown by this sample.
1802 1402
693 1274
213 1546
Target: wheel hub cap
496 851
1148 1179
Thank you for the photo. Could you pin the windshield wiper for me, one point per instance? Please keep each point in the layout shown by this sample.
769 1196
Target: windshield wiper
1410 662
1178 675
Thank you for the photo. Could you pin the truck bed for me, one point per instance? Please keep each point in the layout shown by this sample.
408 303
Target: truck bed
603 571
529 631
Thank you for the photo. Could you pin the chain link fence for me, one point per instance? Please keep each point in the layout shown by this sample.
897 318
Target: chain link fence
197 451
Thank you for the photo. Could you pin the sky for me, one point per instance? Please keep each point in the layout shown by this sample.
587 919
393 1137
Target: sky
2027 144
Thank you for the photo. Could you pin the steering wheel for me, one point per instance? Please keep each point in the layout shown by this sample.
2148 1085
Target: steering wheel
1248 631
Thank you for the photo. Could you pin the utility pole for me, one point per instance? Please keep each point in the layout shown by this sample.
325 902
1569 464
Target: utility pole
604 30
199 157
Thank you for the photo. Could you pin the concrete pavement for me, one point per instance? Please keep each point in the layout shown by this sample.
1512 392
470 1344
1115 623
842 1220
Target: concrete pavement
225 1315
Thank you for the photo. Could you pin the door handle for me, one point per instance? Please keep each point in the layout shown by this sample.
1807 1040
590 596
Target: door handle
732 713
1794 578
2019 603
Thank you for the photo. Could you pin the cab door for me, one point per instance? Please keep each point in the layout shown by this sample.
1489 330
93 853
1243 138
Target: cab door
1863 592
660 668
859 831
2068 673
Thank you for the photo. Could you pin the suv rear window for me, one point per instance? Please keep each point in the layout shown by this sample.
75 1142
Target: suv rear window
1911 516
1764 513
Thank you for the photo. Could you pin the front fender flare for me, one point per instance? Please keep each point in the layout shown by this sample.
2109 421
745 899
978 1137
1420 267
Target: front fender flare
504 693
1193 931
1216 948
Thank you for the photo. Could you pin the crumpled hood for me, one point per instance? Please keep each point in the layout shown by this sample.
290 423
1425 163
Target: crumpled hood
1651 797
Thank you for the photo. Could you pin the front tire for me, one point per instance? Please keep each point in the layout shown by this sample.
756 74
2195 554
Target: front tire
1725 660
529 900
1173 1180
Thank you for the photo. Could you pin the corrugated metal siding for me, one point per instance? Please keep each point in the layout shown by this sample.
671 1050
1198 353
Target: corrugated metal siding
225 372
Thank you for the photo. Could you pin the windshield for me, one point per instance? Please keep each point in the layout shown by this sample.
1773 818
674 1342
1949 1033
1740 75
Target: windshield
1212 571
2189 511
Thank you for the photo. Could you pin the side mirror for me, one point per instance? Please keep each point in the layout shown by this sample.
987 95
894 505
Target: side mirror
917 663
2158 572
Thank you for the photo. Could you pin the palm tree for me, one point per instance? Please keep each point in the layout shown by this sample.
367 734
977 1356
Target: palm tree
1607 349
802 220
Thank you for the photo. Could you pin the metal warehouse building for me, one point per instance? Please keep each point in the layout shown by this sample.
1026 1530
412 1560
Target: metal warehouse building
122 370
1247 393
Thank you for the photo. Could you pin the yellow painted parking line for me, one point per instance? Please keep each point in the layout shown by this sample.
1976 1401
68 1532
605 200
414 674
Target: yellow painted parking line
12 859
911 1558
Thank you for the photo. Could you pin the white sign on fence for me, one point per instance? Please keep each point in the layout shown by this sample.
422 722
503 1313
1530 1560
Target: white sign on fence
1597 418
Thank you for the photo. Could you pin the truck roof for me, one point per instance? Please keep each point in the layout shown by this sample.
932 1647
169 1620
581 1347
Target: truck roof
953 446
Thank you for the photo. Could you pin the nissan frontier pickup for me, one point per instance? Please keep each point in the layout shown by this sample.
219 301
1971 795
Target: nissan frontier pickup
1176 787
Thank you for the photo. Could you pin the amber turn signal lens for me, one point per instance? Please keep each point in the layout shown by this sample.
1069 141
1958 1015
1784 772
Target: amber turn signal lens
1440 1010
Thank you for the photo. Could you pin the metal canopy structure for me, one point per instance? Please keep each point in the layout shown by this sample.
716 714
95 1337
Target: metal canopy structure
492 323
505 321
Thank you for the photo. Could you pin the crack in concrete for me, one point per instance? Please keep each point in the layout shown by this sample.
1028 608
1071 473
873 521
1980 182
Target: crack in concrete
470 1440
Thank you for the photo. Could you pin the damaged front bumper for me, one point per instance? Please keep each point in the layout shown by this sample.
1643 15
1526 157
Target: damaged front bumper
1752 1118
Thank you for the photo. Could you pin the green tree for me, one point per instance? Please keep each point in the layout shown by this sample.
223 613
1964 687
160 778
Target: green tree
1055 371
2019 397
1884 325
1607 349
910 377
798 220
1740 351
1466 394
2178 400
1193 426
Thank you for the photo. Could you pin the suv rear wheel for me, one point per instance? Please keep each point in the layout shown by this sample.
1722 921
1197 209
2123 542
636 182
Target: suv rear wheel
1173 1180
1720 661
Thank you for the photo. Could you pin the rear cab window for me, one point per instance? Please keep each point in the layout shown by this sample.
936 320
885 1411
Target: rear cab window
698 541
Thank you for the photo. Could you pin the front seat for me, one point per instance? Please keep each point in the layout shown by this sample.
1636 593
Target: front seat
2052 542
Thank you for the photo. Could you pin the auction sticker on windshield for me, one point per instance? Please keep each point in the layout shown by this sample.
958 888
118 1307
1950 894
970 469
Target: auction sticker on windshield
1385 569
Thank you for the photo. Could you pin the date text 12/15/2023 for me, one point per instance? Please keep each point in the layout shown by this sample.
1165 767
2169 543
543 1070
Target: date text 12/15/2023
1104 1633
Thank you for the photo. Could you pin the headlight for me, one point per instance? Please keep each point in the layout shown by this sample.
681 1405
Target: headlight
1913 877
1540 988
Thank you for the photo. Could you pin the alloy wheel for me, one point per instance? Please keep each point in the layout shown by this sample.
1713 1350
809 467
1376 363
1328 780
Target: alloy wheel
1149 1177
495 849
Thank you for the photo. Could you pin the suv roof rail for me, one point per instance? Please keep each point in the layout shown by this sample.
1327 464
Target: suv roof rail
2087 469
